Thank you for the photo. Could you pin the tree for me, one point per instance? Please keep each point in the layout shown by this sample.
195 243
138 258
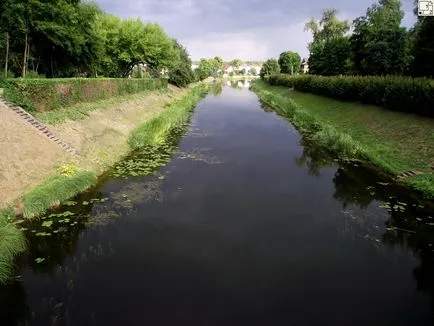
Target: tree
253 71
181 75
329 46
423 46
379 45
236 63
219 62
271 66
289 62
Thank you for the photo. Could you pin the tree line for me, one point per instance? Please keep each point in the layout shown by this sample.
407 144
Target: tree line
69 38
378 44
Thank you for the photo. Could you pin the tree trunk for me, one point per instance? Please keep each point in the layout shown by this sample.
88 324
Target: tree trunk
25 54
7 55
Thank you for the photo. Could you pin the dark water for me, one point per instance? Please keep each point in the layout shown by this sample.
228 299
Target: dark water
249 224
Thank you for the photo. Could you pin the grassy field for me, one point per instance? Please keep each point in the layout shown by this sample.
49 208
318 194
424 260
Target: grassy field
395 142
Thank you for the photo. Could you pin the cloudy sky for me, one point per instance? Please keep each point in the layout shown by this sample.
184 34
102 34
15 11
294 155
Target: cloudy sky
244 29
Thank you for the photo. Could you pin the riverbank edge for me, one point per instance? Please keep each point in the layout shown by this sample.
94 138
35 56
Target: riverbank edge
60 187
340 144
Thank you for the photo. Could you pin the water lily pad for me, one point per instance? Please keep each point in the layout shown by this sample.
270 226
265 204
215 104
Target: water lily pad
47 224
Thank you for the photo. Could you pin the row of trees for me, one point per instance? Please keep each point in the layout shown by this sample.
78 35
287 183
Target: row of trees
378 45
65 38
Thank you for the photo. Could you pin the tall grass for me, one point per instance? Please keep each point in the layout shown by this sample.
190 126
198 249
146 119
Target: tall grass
12 242
155 131
55 190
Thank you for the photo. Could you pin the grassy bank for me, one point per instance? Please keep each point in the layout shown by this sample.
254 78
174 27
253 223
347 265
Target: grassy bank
156 130
12 242
394 142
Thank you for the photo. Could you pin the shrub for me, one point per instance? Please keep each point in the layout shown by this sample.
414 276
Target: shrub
406 94
49 94
181 76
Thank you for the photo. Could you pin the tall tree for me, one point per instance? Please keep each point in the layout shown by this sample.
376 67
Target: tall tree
329 49
423 46
379 44
289 62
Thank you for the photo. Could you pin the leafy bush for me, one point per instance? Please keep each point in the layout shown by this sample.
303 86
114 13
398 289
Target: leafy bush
181 76
412 95
50 94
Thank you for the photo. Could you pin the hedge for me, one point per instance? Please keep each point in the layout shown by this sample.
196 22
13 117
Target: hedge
50 94
405 94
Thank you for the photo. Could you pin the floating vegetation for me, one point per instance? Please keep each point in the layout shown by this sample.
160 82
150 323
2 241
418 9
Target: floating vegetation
138 192
198 155
144 162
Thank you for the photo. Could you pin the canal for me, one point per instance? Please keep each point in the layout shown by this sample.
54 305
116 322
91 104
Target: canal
247 224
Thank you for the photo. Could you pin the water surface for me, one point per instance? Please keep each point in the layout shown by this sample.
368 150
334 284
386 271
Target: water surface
249 224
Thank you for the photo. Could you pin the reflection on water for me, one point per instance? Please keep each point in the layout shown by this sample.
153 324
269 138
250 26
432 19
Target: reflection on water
248 216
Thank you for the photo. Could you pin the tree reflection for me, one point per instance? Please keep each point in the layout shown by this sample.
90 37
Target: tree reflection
313 158
217 88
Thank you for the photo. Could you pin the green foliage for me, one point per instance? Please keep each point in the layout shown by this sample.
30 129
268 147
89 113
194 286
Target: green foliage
330 58
77 39
12 243
56 190
253 71
270 67
236 63
423 49
329 49
49 94
207 68
155 131
182 74
412 95
289 62
379 44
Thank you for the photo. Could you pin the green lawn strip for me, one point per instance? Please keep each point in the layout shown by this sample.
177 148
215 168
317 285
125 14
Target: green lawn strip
55 190
81 111
154 131
12 243
395 142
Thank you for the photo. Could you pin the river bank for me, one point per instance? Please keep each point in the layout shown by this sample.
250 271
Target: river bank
37 174
398 144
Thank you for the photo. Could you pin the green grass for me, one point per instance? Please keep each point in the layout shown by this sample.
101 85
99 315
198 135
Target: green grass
12 242
55 190
395 142
81 111
155 131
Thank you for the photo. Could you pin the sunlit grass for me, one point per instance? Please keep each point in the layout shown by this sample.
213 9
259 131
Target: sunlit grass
55 190
12 242
395 142
175 114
